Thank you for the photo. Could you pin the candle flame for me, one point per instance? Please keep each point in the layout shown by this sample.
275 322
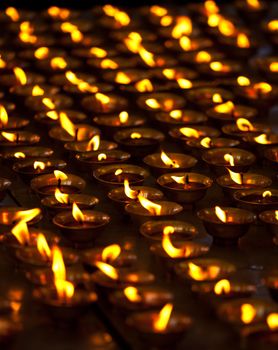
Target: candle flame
236 177
3 64
243 81
214 20
123 116
111 253
263 87
39 165
182 27
122 78
201 274
52 115
266 194
144 85
163 318
19 155
12 13
203 57
168 161
67 124
21 232
77 213
65 290
248 313
58 265
190 132
37 91
211 6
48 103
43 246
169 248
20 75
244 124
262 139
146 56
184 83
221 214
101 156
229 159
226 107
185 43
180 179
169 73
276 215
94 143
206 142
108 270
107 63
132 294
135 135
153 208
27 215
166 21
133 42
222 287
58 63
118 172
3 116
132 194
243 41
226 27
103 99
272 321
273 67
176 114
41 53
10 136
273 25
61 197
98 52
158 11
217 98
217 66
59 175
254 3
120 17
61 13
152 103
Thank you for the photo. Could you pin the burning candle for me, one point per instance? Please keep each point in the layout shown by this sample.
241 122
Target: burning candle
10 215
257 200
243 127
17 139
9 122
205 97
104 103
51 118
160 102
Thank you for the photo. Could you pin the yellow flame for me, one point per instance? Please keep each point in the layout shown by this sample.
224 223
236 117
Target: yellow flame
153 208
19 155
146 56
20 75
21 232
133 42
263 87
217 98
61 197
229 159
184 83
77 213
67 124
272 321
27 215
59 175
103 99
176 114
168 246
248 313
163 318
190 132
118 172
273 25
110 253
41 53
169 73
65 289
226 27
214 20
262 139
98 52
12 13
120 17
266 194
226 107
3 116
243 81
222 287
165 21
128 191
107 63
182 27
122 78
43 246
152 103
276 214
48 103
144 85
159 11
101 156
58 63
3 64
244 124
218 66
94 143
185 43
243 41
108 270
221 214
206 142
11 137
58 265
236 177
254 3
52 115
273 67
201 274
135 135
211 6
61 13
39 165
203 57
132 294
37 91
168 161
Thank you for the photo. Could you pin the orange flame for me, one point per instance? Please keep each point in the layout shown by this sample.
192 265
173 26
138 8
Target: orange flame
158 10
39 165
221 214
48 103
98 52
218 66
185 43
229 159
37 91
190 132
166 21
248 313
67 124
144 85
101 156
58 63
61 197
153 208
52 115
3 116
243 81
27 215
266 194
254 3
107 63
103 99
128 191
94 143
58 265
222 287
132 294
152 103
273 25
163 318
263 87
168 161
184 83
20 75
226 27
146 56
9 136
276 215
236 177
65 290
12 13
244 124
77 213
21 232
214 20
19 155
262 139
176 114
182 27
201 274
43 246
108 270
243 41
167 245
59 175
272 321
133 42
273 67
203 57
111 253
41 53
206 142
217 98
61 13
118 172
226 107
211 6
122 78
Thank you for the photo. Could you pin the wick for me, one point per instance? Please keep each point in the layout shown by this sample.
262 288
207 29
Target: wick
76 134
241 177
59 183
17 138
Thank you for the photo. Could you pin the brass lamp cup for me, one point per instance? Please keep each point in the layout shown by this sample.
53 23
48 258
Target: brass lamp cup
24 138
230 311
226 232
153 230
84 202
150 140
8 218
26 90
81 233
75 116
60 101
233 131
183 193
140 215
215 160
158 167
268 217
89 160
15 123
177 101
271 282
142 323
261 336
25 168
116 104
203 131
253 200
238 111
105 175
202 96
30 152
64 312
59 134
271 155
76 147
152 297
225 269
76 90
249 181
45 185
5 184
